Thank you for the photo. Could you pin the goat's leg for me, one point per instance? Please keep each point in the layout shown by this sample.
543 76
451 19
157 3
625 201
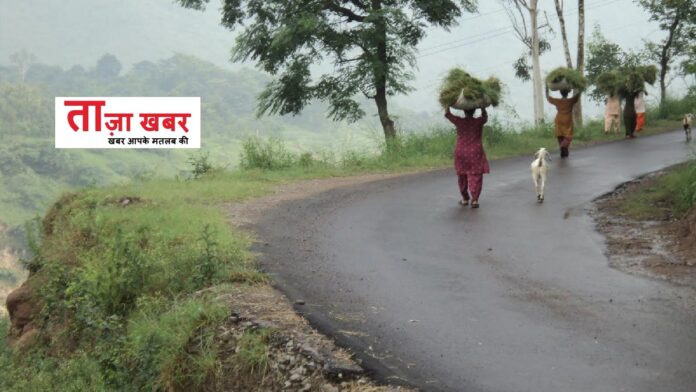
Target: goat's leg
536 184
541 190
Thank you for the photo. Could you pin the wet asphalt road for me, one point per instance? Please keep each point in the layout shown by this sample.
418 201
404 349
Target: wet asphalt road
515 296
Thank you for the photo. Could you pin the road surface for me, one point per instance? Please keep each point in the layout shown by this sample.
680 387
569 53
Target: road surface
515 296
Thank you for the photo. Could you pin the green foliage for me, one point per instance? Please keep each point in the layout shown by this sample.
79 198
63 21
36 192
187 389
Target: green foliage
459 82
521 66
173 347
674 192
677 18
33 242
626 81
603 56
306 160
269 154
370 44
200 165
674 109
116 282
253 354
570 76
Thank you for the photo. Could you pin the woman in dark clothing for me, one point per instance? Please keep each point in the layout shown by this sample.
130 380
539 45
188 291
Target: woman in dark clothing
469 157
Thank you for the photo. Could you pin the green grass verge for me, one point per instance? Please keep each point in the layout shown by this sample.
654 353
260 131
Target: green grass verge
667 196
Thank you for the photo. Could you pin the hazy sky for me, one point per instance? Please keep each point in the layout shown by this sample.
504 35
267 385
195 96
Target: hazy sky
136 30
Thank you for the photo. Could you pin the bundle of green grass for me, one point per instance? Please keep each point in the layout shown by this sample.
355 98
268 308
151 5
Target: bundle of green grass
462 91
626 81
564 78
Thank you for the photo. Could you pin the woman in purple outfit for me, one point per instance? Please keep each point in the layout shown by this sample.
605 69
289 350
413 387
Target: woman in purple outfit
469 158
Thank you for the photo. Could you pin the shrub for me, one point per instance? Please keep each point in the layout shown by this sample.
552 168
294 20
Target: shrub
306 160
269 154
200 165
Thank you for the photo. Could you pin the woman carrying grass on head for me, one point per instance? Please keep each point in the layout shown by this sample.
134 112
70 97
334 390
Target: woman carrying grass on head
469 157
612 114
639 104
564 119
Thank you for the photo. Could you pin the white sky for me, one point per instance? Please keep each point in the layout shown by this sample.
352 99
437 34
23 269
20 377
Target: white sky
483 43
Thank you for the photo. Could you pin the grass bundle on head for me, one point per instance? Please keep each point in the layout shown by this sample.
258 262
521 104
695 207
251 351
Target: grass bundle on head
609 82
564 78
627 81
463 91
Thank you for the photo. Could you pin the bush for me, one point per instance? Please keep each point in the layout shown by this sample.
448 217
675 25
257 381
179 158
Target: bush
674 109
269 154
200 165
306 160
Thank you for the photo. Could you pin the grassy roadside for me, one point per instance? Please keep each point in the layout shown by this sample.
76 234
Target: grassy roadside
116 270
666 196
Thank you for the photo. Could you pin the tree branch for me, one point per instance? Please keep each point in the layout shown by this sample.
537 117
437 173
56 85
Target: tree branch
346 12
359 4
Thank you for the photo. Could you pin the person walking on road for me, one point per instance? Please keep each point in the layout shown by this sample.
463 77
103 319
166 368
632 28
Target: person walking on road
639 104
564 119
470 160
612 114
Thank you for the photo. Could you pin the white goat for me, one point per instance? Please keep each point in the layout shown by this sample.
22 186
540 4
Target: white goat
540 169
688 122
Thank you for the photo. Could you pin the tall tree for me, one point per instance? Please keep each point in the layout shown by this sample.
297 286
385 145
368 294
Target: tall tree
522 13
577 110
370 43
23 60
603 56
564 35
677 18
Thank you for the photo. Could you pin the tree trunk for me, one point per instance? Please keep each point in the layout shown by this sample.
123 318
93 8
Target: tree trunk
380 75
630 115
383 111
536 77
577 110
665 56
561 20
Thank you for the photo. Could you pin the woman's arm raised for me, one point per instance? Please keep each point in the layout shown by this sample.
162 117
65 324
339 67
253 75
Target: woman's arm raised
484 115
453 119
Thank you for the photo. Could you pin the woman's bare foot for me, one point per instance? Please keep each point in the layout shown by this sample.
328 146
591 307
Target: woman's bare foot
475 204
463 202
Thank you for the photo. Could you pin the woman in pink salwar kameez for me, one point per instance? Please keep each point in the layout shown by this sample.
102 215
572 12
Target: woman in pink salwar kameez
469 158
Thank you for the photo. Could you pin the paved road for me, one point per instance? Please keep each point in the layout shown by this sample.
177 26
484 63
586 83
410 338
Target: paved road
512 297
